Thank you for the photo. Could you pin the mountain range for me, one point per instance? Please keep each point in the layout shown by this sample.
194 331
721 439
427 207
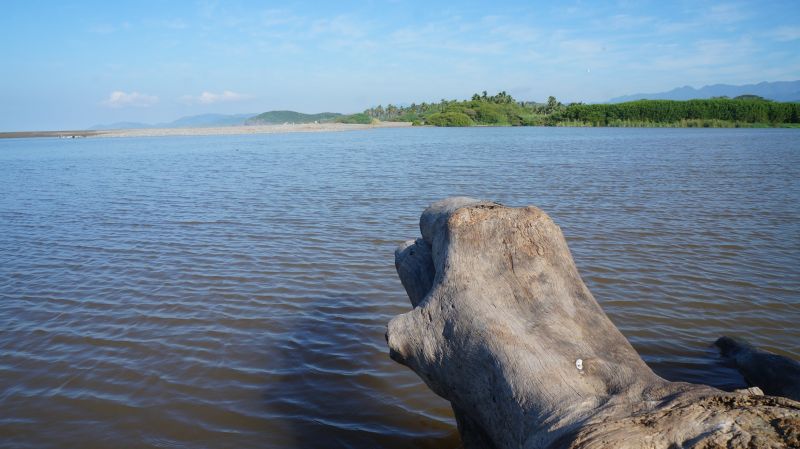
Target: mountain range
213 120
777 91
193 121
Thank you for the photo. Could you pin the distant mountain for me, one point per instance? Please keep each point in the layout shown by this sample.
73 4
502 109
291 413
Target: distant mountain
121 125
778 91
206 120
279 117
192 121
210 120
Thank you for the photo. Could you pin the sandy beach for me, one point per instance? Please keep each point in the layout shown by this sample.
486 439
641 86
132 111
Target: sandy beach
211 131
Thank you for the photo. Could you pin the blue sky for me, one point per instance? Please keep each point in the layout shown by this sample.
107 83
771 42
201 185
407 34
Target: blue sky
75 64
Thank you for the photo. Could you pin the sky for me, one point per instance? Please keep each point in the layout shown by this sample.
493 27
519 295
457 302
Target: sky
71 65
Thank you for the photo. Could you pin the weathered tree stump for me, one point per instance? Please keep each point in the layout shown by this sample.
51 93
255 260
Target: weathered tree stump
504 328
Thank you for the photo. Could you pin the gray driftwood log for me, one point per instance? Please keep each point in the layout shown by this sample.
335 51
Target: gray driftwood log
504 328
772 373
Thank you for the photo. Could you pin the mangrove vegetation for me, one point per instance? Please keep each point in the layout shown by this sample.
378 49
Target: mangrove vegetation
503 110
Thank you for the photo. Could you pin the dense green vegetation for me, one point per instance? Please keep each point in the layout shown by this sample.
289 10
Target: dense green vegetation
499 110
280 117
449 119
360 118
711 111
503 110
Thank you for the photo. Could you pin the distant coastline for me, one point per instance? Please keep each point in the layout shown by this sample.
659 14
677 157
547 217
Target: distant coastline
210 131
744 111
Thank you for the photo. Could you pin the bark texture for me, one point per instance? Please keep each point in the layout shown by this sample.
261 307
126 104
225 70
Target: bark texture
504 328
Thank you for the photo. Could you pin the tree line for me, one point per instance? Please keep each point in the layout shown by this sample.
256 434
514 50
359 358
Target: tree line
745 110
503 110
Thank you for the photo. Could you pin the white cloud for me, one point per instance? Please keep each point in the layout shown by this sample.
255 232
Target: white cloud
211 98
120 99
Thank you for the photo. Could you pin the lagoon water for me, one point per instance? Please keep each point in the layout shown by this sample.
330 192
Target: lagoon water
233 291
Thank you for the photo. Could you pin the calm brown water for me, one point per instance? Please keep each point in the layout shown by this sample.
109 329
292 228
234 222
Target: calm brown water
233 291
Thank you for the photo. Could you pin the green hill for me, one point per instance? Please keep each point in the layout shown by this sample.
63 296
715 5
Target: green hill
281 117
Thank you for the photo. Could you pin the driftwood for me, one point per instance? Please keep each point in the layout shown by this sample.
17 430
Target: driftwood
774 374
504 328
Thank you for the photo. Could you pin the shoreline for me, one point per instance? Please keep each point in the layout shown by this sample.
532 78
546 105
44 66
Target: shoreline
311 128
210 131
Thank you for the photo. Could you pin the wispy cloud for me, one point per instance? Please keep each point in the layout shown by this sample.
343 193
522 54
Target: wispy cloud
713 53
449 36
626 21
277 17
786 33
168 24
727 13
520 34
108 28
120 99
342 25
582 47
212 98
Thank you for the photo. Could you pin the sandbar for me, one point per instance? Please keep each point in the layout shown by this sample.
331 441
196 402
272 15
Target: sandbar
210 131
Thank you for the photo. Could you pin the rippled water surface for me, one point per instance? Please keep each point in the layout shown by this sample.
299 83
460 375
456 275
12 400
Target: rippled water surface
233 291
